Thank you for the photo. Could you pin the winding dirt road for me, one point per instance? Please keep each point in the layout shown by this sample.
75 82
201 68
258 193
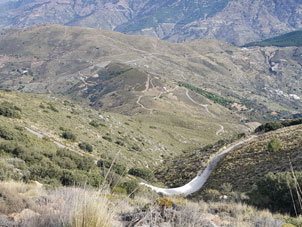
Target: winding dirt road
138 102
219 131
203 105
196 184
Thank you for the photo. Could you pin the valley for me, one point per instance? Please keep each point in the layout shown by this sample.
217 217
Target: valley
130 115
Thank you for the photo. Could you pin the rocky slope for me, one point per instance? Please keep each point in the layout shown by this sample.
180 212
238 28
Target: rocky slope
234 21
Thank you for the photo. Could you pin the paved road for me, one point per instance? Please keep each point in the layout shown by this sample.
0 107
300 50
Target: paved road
195 184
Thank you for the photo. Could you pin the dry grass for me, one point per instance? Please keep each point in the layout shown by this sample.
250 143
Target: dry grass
78 207
74 207
92 210
33 188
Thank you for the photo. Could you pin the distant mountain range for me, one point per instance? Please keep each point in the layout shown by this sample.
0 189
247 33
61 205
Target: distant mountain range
235 21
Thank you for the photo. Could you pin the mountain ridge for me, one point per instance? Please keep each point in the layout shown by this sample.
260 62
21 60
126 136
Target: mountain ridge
234 21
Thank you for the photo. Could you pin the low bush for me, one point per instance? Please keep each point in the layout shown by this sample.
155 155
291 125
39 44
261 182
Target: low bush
61 167
274 145
71 178
117 168
278 192
82 162
9 172
131 187
142 173
9 110
69 136
96 123
7 134
52 107
86 147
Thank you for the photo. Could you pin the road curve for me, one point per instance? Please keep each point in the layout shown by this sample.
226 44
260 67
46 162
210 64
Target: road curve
203 105
195 184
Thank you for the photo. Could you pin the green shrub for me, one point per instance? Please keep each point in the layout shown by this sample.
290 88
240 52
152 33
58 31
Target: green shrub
69 135
70 178
82 162
7 134
131 187
9 172
44 171
86 147
274 190
271 126
274 145
8 147
117 168
95 178
65 162
96 123
9 110
142 173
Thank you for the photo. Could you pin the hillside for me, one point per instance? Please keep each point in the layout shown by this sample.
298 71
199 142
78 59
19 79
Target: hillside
261 83
45 131
242 167
288 39
233 21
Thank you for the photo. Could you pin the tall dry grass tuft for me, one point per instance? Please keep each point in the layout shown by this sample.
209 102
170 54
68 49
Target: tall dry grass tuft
91 209
30 189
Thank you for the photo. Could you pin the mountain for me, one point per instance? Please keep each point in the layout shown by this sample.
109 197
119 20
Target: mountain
288 39
234 21
120 72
